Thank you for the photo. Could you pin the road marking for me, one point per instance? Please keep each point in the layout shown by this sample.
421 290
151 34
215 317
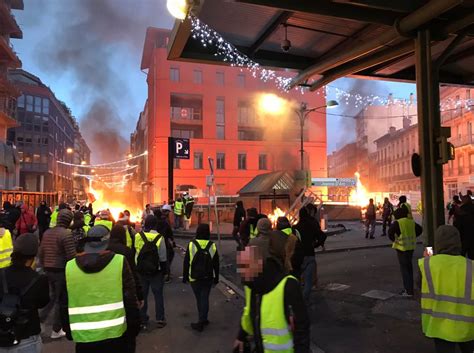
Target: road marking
337 286
378 294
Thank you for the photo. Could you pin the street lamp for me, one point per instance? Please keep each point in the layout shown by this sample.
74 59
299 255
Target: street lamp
69 150
303 112
178 8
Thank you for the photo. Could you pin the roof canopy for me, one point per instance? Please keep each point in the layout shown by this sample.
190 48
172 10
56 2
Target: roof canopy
280 181
332 39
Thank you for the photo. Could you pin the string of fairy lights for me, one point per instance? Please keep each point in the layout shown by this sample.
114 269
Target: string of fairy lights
208 37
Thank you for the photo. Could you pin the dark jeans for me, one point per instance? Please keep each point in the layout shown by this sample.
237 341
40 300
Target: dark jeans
201 290
57 289
42 228
370 224
178 221
443 346
115 345
235 235
156 282
387 221
406 267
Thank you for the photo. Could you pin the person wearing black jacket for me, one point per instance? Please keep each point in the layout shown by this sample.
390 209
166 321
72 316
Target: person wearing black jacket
201 286
239 216
262 278
163 227
311 237
12 215
43 214
94 259
248 227
465 224
19 276
118 245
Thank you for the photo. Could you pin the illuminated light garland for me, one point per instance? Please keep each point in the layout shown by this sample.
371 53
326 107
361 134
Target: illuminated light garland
107 174
105 165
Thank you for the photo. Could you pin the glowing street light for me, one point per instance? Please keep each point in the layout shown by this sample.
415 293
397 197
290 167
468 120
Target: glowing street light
129 155
271 103
83 163
178 8
69 150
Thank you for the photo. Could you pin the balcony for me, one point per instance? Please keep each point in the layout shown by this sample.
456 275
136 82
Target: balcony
462 140
8 24
453 114
8 111
8 55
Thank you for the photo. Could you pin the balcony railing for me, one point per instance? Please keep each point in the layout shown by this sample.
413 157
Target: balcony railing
462 140
8 106
452 114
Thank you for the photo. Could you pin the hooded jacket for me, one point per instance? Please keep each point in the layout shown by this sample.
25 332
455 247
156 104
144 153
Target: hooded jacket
239 213
58 245
465 225
26 221
293 303
96 262
311 234
43 214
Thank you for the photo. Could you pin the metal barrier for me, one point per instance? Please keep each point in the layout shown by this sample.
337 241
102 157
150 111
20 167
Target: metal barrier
30 198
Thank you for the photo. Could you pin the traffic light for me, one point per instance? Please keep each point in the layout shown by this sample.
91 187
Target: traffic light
446 149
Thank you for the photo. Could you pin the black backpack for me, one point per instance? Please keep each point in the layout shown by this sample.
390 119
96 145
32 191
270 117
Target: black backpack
201 267
12 315
148 261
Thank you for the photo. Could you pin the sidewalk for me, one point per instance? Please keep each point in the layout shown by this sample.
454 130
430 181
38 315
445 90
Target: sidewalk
180 308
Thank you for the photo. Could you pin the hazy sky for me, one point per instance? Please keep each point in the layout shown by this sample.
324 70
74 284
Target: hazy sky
89 53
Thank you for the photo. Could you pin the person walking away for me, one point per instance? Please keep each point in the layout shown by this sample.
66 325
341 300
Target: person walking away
79 230
274 315
404 203
294 255
163 228
465 224
118 245
54 215
43 215
387 212
104 219
447 294
178 213
23 291
188 208
56 249
370 220
100 321
262 240
454 209
27 223
403 232
151 267
6 245
147 212
248 228
311 237
239 216
201 269
124 221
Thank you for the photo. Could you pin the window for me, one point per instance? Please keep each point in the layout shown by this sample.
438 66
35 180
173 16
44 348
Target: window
471 163
245 113
198 160
46 106
176 163
37 105
198 77
468 94
220 78
242 161
220 161
241 80
21 101
220 118
174 74
262 162
460 164
29 103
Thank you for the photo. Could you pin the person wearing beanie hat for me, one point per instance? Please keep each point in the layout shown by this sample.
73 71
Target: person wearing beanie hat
112 321
264 228
201 269
21 278
151 268
57 247
447 293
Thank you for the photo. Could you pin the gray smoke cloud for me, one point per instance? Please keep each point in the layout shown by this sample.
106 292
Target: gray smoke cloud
94 44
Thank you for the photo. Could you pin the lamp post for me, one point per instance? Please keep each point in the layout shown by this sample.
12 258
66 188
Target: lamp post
303 111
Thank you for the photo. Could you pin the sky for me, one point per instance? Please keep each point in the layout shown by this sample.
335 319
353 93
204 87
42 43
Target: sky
89 51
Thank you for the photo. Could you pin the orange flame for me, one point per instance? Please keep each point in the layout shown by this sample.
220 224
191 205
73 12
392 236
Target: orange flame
359 196
273 217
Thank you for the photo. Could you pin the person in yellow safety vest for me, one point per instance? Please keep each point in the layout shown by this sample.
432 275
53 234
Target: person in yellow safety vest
447 293
248 227
178 211
293 249
6 246
151 268
54 217
104 220
123 220
403 232
275 316
201 269
404 204
106 319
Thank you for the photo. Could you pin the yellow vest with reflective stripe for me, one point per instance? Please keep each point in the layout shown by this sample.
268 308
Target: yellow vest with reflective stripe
54 218
275 330
407 238
139 242
95 302
6 249
178 208
103 222
447 301
253 232
193 250
87 218
128 237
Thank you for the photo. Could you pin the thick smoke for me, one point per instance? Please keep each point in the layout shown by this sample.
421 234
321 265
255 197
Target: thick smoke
93 43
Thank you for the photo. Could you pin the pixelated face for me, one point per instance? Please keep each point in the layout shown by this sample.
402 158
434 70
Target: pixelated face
249 263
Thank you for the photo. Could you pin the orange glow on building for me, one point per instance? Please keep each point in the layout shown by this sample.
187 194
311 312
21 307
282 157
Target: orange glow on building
218 108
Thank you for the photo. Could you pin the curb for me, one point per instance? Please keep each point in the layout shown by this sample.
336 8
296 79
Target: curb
353 248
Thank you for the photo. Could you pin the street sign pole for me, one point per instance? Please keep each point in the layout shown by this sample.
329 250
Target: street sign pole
171 153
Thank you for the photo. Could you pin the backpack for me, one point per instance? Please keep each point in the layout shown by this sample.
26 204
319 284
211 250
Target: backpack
148 261
201 267
12 316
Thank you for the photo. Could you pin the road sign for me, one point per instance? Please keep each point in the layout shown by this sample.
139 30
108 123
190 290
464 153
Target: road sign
180 148
347 182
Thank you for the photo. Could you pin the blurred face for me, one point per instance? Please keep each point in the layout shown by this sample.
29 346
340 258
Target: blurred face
127 213
249 263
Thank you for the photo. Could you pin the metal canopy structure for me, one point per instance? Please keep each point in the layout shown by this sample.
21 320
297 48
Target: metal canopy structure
427 41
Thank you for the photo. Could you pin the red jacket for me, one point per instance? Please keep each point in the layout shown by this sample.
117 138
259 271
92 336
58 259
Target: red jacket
27 218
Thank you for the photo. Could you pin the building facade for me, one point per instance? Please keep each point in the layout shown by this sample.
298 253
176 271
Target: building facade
341 162
217 107
81 155
48 134
9 28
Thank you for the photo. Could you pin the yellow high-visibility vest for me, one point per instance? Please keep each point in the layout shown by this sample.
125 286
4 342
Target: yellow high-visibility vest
407 239
6 249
